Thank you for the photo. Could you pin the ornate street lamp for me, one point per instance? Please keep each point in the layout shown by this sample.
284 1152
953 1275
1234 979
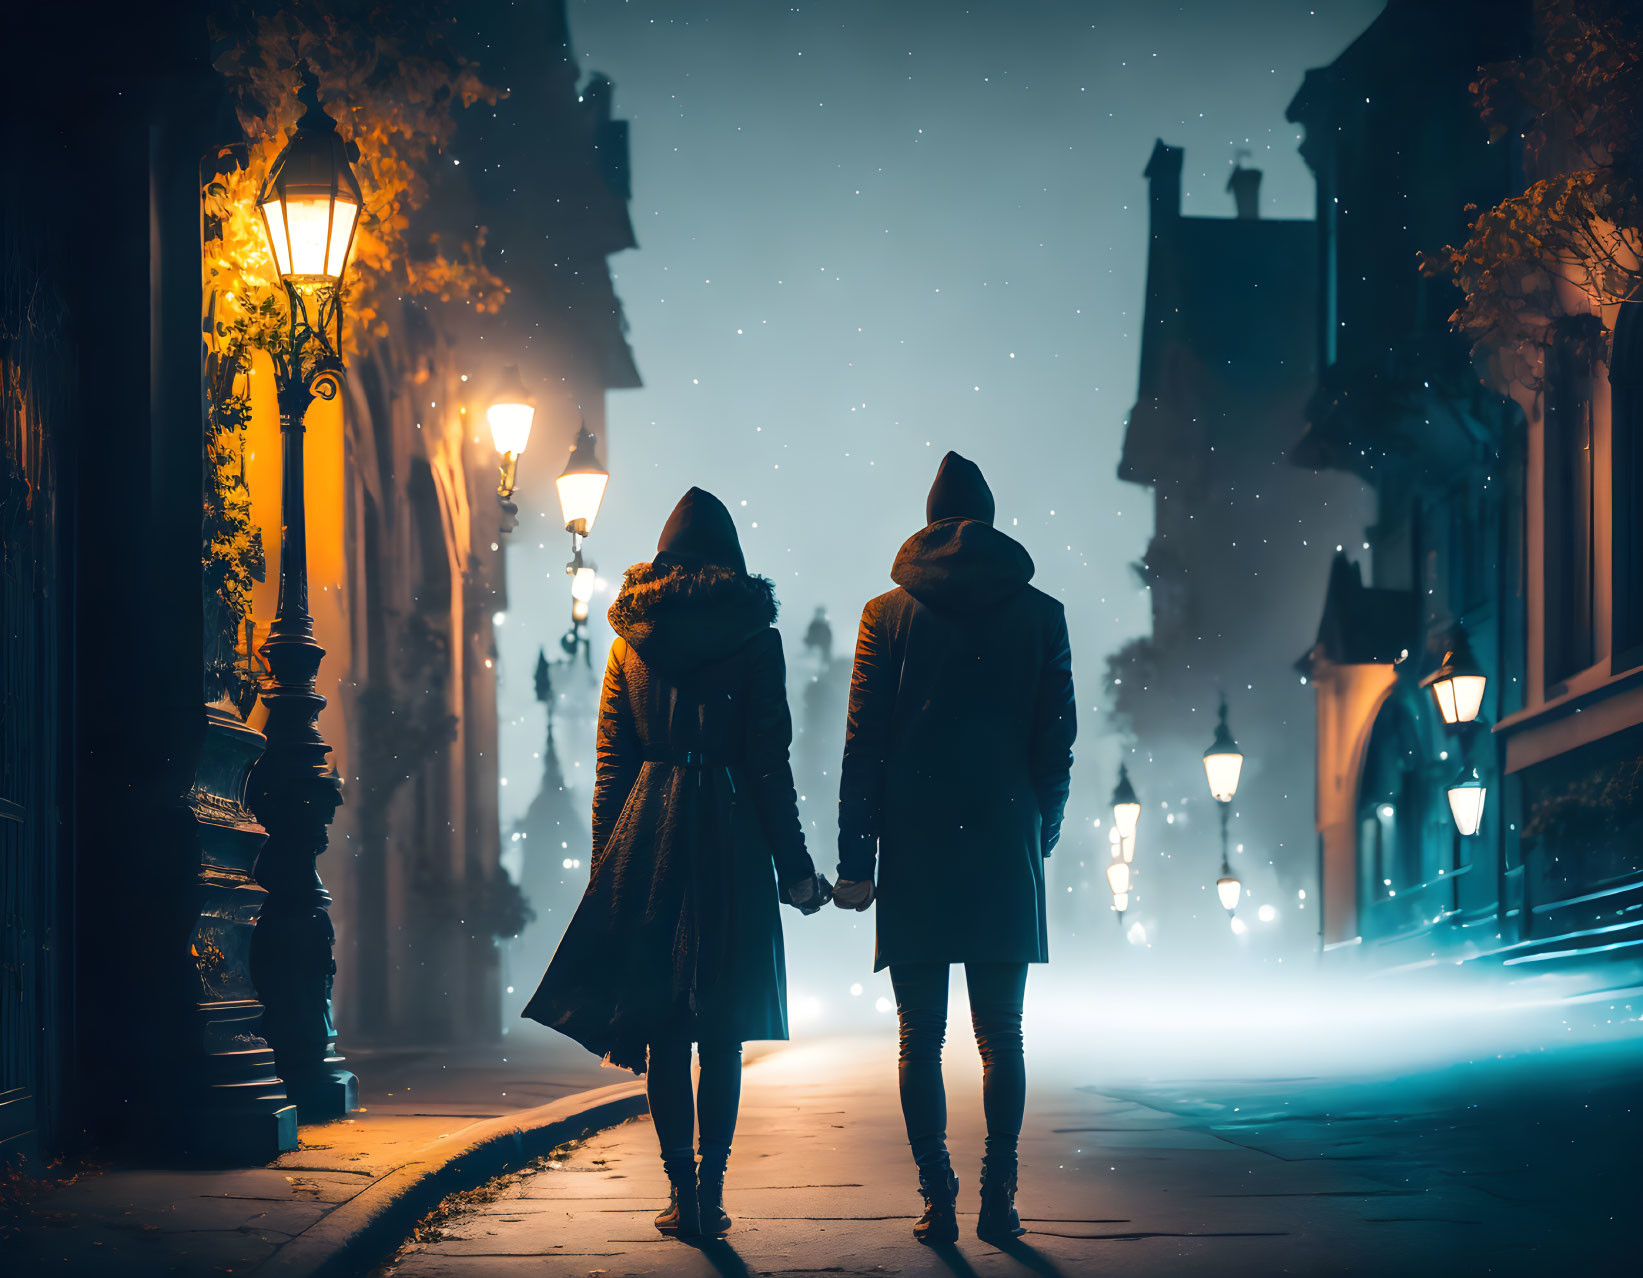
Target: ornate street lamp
510 415
1223 764
1466 795
310 206
1223 761
1458 684
1126 807
582 486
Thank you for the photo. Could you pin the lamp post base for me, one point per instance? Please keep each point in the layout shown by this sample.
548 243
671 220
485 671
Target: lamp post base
331 1093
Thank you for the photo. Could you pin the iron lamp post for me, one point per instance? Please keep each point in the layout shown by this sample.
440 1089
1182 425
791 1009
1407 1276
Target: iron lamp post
310 206
1223 765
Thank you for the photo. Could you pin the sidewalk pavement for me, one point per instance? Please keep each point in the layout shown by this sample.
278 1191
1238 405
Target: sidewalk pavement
1324 1178
432 1121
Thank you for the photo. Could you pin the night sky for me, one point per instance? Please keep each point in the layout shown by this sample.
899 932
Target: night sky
871 232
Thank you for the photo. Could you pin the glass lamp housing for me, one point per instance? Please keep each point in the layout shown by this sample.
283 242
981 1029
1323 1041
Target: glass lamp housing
511 414
1466 795
1121 902
1118 878
1458 684
582 485
1126 806
582 578
311 199
1229 889
1223 762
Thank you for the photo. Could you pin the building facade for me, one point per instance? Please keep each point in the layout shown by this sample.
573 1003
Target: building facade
1504 510
130 726
1239 536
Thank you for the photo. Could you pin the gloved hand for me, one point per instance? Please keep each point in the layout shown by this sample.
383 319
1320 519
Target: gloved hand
807 895
853 894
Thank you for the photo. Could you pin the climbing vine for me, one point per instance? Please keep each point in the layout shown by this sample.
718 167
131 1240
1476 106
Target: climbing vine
1576 104
390 78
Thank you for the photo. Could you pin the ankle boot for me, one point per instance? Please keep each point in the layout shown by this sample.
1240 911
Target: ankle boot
710 1191
683 1217
999 1220
939 1186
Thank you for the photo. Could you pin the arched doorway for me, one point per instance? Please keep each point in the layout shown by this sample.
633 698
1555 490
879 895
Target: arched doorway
1401 818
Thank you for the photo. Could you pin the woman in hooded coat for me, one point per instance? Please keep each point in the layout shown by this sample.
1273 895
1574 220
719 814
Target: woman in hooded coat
695 822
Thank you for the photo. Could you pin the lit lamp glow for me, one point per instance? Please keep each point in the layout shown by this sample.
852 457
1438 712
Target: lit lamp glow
311 199
1229 889
511 414
1126 806
1223 762
1458 684
1118 878
582 485
1466 795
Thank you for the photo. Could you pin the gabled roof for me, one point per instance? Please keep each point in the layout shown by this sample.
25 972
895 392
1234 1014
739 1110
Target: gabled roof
1361 625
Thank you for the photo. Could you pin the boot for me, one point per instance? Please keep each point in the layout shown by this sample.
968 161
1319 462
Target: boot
939 1186
710 1192
683 1217
999 1221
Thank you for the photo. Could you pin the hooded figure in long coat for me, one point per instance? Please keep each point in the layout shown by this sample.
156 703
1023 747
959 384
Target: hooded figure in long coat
695 819
956 771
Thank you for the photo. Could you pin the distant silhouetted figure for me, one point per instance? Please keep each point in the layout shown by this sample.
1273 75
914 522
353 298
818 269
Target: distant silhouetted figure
957 763
818 637
678 938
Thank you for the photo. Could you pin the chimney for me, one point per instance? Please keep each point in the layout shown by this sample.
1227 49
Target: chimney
1163 174
1245 185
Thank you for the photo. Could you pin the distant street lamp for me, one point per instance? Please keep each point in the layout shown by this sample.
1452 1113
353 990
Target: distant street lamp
1126 806
582 486
310 207
1223 761
1223 765
1466 795
1458 684
510 415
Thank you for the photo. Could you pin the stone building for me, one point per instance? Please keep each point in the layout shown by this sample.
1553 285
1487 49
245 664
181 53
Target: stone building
1504 509
1239 537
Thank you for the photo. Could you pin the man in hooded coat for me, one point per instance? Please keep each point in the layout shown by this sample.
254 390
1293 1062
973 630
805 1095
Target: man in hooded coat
957 764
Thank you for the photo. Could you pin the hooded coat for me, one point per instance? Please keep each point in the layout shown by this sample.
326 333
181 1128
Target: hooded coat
958 754
694 811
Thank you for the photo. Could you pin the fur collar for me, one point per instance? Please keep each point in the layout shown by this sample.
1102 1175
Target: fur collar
680 617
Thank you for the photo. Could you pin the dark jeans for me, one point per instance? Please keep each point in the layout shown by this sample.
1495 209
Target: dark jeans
996 994
713 1108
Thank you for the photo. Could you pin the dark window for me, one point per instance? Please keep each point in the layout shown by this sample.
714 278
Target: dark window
1626 383
1568 509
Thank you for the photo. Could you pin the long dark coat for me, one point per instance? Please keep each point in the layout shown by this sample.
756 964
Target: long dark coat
959 750
694 815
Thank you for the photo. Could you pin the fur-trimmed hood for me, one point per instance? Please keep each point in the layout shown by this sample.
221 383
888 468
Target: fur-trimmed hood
679 617
961 566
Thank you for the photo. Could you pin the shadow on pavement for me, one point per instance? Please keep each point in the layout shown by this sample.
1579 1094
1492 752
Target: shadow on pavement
1030 1257
950 1256
722 1256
